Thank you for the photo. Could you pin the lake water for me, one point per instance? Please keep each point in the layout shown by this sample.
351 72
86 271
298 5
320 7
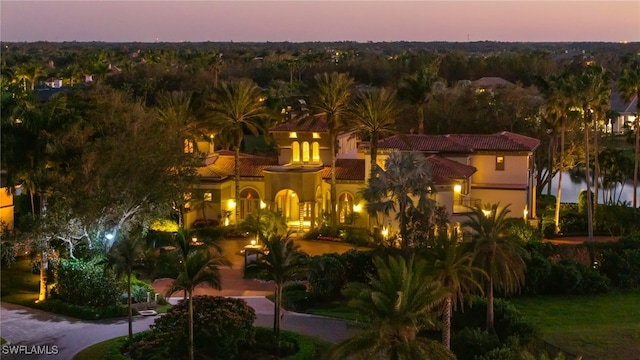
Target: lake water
572 186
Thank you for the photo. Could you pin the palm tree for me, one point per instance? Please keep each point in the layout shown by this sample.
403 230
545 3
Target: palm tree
451 266
374 115
332 98
497 252
629 85
407 177
122 256
199 265
559 113
592 95
237 106
396 305
283 260
30 73
416 91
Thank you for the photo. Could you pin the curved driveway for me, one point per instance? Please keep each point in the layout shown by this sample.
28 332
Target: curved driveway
26 326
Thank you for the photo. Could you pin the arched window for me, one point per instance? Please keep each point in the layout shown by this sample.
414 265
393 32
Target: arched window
305 152
345 208
249 202
316 152
295 151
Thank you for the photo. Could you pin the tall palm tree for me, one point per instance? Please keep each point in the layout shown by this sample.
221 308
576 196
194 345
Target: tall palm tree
629 85
236 107
395 305
332 98
407 178
416 90
30 73
122 256
592 95
373 115
199 265
559 112
283 261
451 266
497 252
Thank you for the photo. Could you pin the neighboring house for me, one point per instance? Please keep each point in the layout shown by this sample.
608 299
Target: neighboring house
466 170
623 114
491 82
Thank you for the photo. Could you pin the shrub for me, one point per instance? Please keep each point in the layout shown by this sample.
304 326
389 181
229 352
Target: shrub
166 265
86 282
139 290
326 276
358 265
472 341
221 325
569 277
81 312
357 236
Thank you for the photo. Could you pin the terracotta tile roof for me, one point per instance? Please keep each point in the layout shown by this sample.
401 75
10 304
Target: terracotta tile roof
491 81
461 143
313 123
424 143
346 169
223 165
444 170
504 141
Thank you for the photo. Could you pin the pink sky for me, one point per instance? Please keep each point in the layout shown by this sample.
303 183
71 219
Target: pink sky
172 21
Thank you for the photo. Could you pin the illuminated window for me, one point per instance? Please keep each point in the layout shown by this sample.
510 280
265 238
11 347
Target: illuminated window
293 135
305 152
295 150
499 162
187 200
208 196
316 135
188 146
316 152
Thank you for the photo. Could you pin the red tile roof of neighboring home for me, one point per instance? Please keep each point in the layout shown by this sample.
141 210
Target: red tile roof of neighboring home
461 143
444 170
314 123
426 143
223 165
346 169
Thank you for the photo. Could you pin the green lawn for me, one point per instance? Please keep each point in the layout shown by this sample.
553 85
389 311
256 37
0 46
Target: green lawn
334 309
19 284
595 326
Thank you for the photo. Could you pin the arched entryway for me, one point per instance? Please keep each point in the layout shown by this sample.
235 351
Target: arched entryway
249 202
345 208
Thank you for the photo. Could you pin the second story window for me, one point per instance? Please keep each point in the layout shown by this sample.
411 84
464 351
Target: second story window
305 152
295 151
316 152
499 162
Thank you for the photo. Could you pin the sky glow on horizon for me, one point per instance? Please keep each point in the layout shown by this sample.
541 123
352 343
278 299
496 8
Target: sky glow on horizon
299 21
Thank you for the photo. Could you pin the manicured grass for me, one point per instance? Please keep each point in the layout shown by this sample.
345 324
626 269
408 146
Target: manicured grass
106 350
311 348
335 310
19 284
605 326
2 341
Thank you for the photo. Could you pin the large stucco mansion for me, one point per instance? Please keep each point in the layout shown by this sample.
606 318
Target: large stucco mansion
466 169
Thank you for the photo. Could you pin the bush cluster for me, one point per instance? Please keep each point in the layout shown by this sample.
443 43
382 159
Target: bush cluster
86 283
470 341
221 326
82 312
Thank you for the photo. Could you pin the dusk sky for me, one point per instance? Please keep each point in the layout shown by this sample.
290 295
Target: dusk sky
297 21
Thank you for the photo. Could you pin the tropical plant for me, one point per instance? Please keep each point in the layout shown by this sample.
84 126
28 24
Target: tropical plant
629 85
200 265
283 261
122 257
451 266
332 98
497 252
236 107
406 183
416 90
373 115
396 306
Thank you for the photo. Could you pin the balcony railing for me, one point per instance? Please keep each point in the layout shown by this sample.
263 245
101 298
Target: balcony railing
463 205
